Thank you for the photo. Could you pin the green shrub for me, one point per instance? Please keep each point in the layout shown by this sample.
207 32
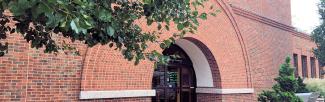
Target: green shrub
301 86
285 88
266 96
316 85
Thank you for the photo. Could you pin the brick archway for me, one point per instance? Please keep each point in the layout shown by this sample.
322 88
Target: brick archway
204 63
95 67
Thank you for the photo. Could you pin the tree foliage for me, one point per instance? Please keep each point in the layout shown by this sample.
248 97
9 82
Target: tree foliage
105 22
285 88
318 35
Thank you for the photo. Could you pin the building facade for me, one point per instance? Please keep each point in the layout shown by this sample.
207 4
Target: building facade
233 57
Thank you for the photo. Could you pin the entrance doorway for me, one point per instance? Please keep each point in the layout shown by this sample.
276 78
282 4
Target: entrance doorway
175 82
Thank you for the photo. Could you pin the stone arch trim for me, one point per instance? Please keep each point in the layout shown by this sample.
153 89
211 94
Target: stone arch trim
208 69
200 63
211 61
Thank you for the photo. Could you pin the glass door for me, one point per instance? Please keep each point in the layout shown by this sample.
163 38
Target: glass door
174 83
187 85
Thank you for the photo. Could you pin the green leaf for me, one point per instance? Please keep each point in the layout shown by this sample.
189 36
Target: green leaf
53 20
144 46
203 16
163 45
88 24
17 8
195 13
23 4
63 24
74 26
105 15
187 1
41 8
110 31
79 2
85 24
60 2
180 26
167 42
195 21
147 1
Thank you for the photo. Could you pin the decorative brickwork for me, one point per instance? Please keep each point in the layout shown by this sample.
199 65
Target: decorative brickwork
244 45
212 61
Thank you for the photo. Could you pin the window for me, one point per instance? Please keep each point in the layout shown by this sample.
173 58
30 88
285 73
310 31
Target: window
295 64
313 67
304 66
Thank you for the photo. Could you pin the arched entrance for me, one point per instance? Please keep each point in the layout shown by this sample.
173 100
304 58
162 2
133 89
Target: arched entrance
176 81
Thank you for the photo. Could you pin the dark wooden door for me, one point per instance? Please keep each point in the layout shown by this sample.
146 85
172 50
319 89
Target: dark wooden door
174 83
187 92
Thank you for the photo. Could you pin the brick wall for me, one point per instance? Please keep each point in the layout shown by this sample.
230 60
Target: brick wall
267 48
105 69
268 42
208 98
30 75
247 52
279 10
303 46
225 98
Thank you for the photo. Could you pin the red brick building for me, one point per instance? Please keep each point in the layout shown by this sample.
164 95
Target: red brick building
232 58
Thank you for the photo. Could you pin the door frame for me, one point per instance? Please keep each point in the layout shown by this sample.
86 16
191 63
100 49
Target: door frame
179 66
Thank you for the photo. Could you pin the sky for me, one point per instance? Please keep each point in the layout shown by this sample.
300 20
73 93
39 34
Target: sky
305 15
